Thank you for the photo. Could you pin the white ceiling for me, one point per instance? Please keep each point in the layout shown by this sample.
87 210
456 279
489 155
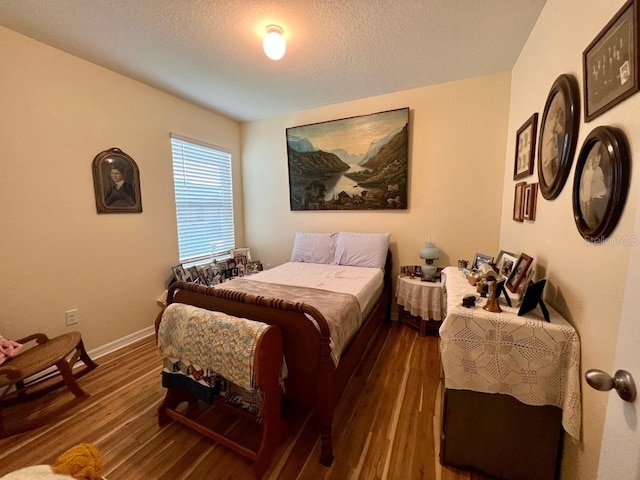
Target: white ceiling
210 51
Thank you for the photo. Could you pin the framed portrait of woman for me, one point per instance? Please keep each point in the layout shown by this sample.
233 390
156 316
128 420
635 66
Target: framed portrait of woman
601 182
558 135
116 181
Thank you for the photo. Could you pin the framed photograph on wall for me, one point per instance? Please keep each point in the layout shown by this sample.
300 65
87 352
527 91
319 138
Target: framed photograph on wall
519 272
518 197
525 148
116 182
558 135
610 63
529 201
601 182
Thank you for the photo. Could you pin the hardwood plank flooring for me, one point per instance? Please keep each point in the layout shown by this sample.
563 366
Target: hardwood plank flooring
387 425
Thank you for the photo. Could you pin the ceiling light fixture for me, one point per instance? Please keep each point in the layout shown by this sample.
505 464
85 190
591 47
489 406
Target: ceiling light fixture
274 44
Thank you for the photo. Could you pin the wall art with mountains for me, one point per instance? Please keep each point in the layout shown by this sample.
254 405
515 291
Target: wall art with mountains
356 163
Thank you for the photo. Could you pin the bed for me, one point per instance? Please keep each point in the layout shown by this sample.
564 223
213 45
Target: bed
320 357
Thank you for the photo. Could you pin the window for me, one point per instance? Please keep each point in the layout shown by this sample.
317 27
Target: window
204 199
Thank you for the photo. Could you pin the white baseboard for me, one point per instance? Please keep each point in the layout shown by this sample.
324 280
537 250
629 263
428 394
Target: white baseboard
121 342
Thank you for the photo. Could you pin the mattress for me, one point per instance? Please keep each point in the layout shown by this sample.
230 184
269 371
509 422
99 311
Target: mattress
366 284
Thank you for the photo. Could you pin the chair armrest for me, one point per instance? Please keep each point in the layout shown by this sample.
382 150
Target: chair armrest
40 338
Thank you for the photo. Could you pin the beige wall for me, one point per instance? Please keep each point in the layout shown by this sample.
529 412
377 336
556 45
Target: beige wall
56 113
457 145
586 281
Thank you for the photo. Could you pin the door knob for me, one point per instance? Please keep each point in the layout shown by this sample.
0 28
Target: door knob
622 382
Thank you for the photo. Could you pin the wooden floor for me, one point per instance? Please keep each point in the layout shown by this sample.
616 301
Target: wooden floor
386 426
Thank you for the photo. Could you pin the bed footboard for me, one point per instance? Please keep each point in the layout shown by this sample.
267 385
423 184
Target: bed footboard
269 425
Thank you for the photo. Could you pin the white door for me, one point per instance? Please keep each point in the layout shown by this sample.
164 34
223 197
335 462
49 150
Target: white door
620 452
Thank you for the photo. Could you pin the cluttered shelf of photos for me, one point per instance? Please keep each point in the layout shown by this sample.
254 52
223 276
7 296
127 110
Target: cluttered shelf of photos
237 264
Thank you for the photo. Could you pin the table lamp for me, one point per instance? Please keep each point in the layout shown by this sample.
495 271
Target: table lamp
429 253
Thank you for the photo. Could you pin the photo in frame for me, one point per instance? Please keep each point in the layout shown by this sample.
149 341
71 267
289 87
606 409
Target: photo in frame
518 197
522 288
356 163
180 274
116 182
529 201
480 259
243 255
601 182
525 148
519 272
558 135
505 264
610 63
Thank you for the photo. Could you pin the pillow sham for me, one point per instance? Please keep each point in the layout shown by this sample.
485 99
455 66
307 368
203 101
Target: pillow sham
313 248
361 249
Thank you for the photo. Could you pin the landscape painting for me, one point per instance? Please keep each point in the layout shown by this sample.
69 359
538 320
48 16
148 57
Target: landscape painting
356 163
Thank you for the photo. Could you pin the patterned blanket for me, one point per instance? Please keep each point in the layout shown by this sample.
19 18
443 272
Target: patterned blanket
215 342
341 310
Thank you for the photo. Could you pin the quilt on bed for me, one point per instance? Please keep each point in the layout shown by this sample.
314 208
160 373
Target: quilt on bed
341 310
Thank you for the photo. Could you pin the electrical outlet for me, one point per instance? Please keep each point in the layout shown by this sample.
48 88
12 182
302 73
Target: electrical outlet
71 316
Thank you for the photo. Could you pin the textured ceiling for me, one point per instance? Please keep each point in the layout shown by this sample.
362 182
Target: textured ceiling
210 51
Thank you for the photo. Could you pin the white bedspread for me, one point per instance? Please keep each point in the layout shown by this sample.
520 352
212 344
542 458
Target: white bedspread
363 283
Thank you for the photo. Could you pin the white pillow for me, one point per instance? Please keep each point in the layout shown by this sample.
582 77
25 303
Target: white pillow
313 248
361 249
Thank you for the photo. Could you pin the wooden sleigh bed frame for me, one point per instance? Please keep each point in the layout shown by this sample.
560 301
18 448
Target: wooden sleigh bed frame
313 380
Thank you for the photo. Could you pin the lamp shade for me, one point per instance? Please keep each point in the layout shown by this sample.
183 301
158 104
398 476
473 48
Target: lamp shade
429 251
273 44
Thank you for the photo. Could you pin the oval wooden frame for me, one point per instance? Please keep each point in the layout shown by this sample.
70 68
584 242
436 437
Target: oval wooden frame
567 86
616 145
101 180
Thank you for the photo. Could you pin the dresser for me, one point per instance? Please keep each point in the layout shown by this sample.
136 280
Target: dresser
512 385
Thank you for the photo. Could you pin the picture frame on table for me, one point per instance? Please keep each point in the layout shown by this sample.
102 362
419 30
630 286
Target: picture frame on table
558 135
180 274
525 148
601 182
241 255
529 202
518 197
524 285
255 266
532 298
519 272
505 264
480 259
610 63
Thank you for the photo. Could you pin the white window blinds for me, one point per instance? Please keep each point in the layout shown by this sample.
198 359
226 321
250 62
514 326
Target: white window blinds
204 199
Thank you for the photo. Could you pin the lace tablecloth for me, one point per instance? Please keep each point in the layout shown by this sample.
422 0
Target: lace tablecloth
422 299
526 357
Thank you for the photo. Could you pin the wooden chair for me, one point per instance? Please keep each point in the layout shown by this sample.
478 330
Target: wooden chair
62 352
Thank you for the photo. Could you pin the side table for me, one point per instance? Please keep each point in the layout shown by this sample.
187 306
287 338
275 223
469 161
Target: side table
420 303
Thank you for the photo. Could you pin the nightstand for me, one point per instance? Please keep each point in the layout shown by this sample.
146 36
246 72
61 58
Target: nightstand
421 304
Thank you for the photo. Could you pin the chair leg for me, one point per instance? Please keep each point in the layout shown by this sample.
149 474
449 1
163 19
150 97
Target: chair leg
69 379
85 357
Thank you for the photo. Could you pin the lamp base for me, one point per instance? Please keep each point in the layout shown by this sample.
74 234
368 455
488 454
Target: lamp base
429 271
